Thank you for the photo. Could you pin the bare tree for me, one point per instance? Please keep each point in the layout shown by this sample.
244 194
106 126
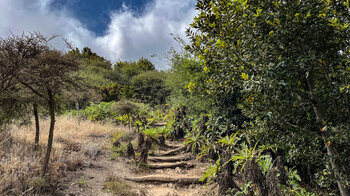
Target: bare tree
39 69
46 77
16 51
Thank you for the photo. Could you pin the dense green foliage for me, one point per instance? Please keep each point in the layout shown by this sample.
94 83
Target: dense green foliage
287 63
149 87
123 80
183 76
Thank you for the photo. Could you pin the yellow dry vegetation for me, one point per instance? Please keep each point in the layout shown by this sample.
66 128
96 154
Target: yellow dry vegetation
20 164
68 130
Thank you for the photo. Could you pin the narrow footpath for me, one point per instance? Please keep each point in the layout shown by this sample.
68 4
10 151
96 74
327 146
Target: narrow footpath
169 172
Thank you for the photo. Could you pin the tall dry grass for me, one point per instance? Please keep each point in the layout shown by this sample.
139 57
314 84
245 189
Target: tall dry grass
20 164
68 130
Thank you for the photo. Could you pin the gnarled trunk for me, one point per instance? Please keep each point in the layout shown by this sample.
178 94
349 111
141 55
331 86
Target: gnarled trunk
253 173
144 151
37 126
51 103
140 141
130 151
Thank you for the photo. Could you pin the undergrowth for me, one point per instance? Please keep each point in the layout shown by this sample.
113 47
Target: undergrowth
20 164
115 186
20 168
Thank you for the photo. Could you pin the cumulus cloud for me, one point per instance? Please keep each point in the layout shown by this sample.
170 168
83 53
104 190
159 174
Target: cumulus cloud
129 36
28 16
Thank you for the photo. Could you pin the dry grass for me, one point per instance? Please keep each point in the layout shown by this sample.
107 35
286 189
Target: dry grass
20 165
67 131
117 187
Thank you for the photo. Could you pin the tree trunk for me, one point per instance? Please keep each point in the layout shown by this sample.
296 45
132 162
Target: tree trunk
37 126
144 151
78 111
253 173
130 151
161 139
140 141
51 103
130 122
331 152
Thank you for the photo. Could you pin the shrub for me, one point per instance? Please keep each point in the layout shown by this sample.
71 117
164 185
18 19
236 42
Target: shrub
125 107
99 111
95 111
110 92
150 87
119 151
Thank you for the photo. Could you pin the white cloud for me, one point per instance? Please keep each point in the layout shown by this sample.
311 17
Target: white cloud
128 37
28 16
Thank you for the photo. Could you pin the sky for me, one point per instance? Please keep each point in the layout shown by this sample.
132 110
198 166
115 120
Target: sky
119 30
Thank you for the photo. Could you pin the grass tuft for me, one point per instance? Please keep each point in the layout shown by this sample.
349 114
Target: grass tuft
116 186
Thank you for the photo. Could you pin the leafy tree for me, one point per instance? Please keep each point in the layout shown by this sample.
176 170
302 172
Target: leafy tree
49 75
124 71
145 64
111 92
150 87
87 53
291 61
186 83
95 72
127 70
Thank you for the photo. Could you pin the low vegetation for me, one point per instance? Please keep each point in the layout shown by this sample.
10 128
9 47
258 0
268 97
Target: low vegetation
118 187
20 163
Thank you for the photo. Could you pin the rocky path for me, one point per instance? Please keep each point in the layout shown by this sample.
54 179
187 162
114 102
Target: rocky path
173 172
168 172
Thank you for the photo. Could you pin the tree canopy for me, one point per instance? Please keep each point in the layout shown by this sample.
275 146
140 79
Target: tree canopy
290 61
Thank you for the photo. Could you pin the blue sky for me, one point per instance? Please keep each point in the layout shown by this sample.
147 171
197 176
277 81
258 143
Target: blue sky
116 29
95 14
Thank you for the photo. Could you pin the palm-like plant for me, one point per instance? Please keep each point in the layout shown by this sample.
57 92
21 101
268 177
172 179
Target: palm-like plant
151 132
196 140
245 152
229 141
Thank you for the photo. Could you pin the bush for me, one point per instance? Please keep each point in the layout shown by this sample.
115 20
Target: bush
119 151
99 111
125 107
95 112
150 87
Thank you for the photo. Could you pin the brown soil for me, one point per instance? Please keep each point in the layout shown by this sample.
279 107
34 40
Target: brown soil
90 179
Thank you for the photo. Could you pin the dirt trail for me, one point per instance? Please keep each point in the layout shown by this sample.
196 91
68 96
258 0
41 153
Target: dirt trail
91 178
